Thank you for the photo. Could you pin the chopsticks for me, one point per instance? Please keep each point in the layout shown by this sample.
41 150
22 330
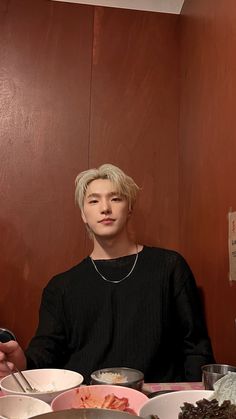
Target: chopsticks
28 387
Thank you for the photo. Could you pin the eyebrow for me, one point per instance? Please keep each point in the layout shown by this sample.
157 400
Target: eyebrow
97 195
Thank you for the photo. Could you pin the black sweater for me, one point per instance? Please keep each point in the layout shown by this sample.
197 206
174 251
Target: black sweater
151 321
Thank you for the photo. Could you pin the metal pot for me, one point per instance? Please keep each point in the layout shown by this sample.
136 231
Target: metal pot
86 414
132 378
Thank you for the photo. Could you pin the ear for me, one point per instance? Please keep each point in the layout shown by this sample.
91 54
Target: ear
83 217
130 211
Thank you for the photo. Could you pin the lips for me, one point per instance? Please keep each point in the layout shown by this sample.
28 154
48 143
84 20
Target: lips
106 221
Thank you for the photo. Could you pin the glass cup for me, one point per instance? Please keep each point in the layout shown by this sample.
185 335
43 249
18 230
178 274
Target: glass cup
213 372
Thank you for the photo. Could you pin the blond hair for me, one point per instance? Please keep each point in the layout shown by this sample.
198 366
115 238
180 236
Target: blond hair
123 183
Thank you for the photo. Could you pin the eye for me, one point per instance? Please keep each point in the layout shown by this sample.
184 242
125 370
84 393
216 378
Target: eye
117 199
92 201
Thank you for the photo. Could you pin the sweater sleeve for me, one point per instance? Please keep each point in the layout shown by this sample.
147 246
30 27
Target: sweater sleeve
196 345
48 347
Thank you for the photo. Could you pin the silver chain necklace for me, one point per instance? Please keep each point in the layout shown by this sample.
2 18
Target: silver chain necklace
119 280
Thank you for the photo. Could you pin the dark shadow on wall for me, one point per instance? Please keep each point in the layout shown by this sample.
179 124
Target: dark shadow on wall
202 301
203 306
16 288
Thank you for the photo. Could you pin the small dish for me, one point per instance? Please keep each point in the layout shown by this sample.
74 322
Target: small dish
119 376
168 405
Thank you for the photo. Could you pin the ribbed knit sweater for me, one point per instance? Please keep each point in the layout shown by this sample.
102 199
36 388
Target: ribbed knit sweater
151 321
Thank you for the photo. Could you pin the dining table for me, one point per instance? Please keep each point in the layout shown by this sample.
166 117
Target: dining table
154 387
149 388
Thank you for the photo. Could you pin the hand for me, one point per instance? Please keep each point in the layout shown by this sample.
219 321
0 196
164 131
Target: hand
13 354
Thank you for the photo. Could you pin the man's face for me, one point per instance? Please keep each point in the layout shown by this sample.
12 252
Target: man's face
105 211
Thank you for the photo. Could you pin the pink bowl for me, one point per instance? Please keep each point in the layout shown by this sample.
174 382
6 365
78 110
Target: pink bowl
76 397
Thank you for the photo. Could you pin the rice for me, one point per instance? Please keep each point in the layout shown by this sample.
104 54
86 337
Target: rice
112 377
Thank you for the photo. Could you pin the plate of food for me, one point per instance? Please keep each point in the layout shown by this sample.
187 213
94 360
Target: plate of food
101 396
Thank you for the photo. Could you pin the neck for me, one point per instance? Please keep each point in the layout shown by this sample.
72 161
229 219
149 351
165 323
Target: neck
113 248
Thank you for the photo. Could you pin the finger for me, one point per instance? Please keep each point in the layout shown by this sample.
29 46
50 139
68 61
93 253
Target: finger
8 347
2 356
5 368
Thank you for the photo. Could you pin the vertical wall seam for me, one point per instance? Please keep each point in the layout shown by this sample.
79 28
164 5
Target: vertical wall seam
90 93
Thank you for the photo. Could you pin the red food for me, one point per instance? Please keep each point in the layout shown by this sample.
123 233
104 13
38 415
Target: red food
109 402
113 402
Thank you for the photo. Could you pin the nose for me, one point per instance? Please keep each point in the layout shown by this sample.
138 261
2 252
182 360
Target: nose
105 207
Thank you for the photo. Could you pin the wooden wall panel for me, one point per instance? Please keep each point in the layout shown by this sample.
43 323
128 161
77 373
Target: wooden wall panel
207 158
80 86
45 71
134 112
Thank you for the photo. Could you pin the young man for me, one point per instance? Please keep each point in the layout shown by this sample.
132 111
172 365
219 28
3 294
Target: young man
124 305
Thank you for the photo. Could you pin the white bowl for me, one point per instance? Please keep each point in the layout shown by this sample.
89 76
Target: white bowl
167 406
50 383
20 407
